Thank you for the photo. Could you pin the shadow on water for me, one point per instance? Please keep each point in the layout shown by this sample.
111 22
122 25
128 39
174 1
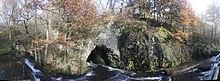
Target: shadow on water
12 68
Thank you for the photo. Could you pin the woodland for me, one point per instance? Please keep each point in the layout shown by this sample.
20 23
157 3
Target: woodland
151 34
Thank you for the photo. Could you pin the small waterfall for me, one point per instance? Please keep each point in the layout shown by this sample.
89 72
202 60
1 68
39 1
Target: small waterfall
107 73
121 75
34 71
207 75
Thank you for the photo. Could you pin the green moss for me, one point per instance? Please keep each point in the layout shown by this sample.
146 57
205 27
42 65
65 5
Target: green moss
100 60
165 64
215 49
113 65
137 34
61 54
175 53
68 70
5 46
5 51
163 35
85 43
84 68
130 65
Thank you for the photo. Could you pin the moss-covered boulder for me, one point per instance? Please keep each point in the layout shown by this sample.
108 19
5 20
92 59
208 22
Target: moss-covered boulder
68 62
163 35
147 49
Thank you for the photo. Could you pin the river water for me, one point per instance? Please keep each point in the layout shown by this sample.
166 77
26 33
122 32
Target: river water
15 68
204 71
12 68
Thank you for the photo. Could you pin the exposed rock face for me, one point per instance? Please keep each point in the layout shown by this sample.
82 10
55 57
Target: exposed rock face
102 49
135 47
107 40
141 49
108 37
130 46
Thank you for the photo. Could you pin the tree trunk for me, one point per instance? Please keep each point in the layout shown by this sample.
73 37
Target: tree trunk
35 20
39 54
35 30
215 33
212 33
112 5
154 9
47 35
65 56
122 3
9 29
9 33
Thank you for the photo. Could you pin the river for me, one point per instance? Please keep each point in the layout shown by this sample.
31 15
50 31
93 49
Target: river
13 67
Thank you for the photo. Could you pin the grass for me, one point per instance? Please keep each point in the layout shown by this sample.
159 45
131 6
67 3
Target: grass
217 49
4 51
5 47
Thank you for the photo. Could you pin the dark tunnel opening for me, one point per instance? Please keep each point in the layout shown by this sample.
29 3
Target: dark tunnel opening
99 55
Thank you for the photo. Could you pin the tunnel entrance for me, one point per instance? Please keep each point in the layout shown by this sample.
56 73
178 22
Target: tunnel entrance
99 55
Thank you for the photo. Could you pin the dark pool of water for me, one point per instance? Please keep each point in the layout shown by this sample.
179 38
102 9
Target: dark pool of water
12 68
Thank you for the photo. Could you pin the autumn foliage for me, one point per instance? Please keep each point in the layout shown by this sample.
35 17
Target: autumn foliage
186 19
76 22
182 36
83 12
58 40
186 14
78 17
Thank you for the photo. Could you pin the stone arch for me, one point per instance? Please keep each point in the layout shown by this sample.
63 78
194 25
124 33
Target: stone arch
99 55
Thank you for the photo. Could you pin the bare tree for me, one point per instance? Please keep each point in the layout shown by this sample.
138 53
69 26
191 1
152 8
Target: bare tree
213 17
10 12
48 13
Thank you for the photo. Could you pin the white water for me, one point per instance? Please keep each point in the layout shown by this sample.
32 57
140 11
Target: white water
119 74
31 66
33 70
122 77
207 75
56 79
148 78
90 73
193 70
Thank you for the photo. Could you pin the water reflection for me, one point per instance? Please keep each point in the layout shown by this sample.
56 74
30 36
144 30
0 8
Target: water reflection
11 67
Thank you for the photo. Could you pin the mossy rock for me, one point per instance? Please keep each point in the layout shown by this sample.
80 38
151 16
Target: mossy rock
174 54
163 35
83 67
130 65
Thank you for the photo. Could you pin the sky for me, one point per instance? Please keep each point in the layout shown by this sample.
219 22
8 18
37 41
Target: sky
200 6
